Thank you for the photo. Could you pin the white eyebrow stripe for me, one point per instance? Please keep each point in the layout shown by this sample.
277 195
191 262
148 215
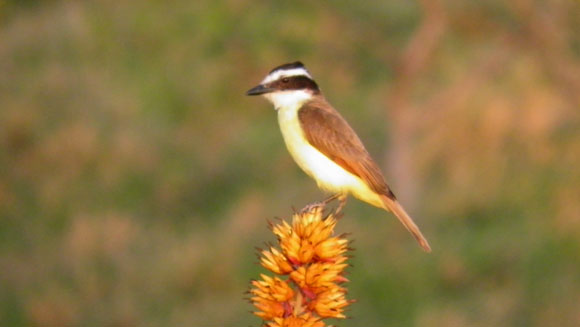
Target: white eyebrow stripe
286 73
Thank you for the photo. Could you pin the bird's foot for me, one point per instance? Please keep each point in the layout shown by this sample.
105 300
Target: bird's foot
341 203
313 207
331 198
322 204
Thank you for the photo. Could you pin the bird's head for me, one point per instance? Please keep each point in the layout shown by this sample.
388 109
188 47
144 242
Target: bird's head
286 85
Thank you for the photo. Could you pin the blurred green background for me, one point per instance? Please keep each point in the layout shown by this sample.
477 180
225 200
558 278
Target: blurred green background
136 178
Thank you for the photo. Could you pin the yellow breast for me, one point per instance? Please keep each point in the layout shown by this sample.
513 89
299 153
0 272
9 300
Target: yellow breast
328 175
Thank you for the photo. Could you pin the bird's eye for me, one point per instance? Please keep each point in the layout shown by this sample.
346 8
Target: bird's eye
286 80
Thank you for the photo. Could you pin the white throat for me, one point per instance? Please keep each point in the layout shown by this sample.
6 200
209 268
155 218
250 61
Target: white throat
288 99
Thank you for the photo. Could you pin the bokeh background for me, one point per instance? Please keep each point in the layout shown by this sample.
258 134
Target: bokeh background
136 178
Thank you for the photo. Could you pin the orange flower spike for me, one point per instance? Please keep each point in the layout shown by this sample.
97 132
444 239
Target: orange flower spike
303 223
275 261
330 304
270 297
282 230
272 289
268 309
314 261
318 276
317 229
299 277
306 252
326 227
310 228
305 320
331 247
291 245
323 230
298 226
327 274
281 291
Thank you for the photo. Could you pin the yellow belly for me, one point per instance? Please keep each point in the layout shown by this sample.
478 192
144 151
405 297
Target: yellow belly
328 175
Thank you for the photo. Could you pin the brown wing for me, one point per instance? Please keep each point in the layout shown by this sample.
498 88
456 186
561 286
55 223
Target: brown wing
326 130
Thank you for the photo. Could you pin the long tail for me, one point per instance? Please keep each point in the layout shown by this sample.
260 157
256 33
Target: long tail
396 208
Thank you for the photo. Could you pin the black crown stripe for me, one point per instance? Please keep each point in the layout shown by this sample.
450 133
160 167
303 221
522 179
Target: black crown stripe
292 65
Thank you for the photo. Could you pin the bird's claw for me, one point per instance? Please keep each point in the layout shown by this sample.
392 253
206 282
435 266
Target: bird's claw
313 207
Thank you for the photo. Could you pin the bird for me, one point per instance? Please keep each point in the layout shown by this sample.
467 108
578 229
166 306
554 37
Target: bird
325 146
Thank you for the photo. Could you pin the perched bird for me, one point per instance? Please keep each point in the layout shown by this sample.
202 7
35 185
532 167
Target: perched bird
324 145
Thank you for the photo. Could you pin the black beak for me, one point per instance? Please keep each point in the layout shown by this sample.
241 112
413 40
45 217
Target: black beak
260 89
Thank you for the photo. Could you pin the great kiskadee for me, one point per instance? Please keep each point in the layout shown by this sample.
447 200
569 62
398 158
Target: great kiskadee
324 145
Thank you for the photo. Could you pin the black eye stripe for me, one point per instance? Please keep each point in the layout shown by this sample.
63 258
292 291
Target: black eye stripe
295 83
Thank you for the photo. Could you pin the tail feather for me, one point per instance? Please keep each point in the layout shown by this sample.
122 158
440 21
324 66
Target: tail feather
395 207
